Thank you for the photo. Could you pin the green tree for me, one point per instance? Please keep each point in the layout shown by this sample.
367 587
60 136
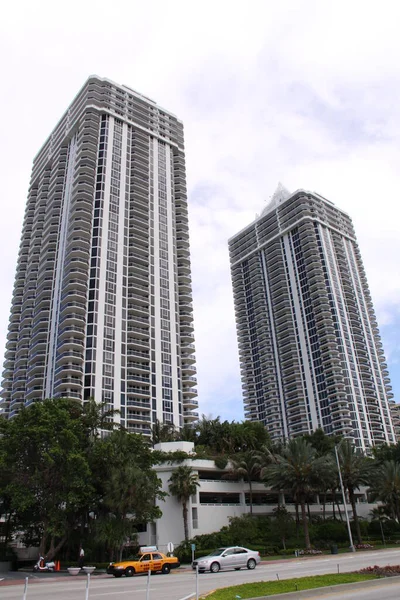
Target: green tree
50 480
282 524
386 487
229 438
188 433
356 471
386 452
297 470
183 483
98 416
247 465
163 432
127 487
323 443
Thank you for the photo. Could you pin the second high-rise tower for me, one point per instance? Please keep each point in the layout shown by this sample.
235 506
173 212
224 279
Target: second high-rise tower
309 345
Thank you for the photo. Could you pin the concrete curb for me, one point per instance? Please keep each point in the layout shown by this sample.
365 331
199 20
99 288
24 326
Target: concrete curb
318 592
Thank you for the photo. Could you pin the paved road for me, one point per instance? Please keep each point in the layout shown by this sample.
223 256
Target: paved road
386 589
179 585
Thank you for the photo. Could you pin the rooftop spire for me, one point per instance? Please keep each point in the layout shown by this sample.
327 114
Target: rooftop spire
280 194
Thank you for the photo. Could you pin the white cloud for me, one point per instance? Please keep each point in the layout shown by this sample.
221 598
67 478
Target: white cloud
304 92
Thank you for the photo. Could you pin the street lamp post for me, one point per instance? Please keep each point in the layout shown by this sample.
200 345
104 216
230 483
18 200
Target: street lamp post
352 549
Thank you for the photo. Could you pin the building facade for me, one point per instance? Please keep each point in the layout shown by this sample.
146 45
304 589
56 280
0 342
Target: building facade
395 412
102 304
219 497
310 351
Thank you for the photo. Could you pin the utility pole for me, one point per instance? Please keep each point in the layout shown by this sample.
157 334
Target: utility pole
352 549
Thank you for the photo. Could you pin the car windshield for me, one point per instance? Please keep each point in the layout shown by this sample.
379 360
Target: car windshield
217 552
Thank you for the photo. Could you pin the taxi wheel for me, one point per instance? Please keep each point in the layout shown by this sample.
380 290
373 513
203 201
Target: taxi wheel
117 574
129 571
165 569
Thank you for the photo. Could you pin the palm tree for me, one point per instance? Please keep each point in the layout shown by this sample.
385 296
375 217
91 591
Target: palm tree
356 471
187 433
183 484
98 416
379 514
386 487
163 432
297 470
247 465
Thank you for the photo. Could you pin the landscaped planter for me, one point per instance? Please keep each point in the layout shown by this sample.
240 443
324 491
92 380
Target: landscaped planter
88 569
74 570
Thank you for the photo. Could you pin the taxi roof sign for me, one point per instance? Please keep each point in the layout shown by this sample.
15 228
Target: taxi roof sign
144 549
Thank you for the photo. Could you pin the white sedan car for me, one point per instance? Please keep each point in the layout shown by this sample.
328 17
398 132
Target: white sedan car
234 557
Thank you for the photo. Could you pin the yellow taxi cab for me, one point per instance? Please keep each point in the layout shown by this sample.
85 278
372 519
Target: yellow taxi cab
149 559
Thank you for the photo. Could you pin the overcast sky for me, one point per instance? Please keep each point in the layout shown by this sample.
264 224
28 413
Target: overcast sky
306 93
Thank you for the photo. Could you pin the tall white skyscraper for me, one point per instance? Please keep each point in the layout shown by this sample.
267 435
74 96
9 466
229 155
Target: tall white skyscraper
309 345
102 304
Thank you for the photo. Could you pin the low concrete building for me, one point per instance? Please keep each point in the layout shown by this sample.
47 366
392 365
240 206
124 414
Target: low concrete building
220 497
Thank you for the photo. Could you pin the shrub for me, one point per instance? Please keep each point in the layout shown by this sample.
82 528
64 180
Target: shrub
364 526
331 531
388 571
389 527
220 462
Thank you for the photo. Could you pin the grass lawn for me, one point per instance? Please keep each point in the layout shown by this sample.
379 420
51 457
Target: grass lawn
268 588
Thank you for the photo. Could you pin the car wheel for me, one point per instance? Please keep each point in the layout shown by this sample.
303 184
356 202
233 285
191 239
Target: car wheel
214 567
165 569
237 568
117 574
129 571
251 563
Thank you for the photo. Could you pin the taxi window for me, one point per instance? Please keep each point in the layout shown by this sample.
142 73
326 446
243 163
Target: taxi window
146 557
157 557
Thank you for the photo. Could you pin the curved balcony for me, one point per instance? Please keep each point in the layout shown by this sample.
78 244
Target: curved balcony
75 369
34 393
189 380
69 383
187 358
190 402
73 319
190 416
70 343
189 392
79 332
188 368
139 333
68 356
188 348
138 391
